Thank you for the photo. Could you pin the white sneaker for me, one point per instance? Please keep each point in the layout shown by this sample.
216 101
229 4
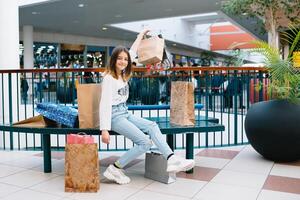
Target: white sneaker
114 174
177 164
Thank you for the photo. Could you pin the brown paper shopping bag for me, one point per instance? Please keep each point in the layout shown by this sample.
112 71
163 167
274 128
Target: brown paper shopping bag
88 105
36 122
81 168
151 50
182 111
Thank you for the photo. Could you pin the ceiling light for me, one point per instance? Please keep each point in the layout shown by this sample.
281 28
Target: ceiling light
81 5
174 44
118 16
35 13
104 28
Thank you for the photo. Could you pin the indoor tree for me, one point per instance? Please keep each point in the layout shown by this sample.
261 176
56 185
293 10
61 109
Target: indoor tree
275 14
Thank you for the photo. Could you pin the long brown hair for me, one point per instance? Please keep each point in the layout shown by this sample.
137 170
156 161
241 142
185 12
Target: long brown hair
111 68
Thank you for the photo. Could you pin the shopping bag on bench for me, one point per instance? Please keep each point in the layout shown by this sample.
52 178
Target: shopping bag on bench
182 106
88 96
36 122
81 164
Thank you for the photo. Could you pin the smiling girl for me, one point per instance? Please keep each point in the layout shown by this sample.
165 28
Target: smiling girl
114 116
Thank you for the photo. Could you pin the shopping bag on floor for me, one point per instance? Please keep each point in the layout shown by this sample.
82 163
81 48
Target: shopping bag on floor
81 167
151 50
88 96
156 168
182 110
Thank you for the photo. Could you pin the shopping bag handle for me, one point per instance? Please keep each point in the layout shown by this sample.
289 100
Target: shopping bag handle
81 133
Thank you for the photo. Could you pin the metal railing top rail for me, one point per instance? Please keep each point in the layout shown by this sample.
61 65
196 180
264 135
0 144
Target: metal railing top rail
136 69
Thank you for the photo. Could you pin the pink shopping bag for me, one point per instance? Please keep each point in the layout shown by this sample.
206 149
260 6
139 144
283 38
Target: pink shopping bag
80 139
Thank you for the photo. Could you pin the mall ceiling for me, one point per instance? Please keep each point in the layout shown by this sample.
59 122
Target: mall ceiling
88 17
66 16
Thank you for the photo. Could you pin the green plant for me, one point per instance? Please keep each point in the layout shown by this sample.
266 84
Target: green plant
284 78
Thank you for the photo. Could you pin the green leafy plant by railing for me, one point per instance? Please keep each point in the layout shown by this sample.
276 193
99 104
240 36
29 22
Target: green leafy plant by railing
284 77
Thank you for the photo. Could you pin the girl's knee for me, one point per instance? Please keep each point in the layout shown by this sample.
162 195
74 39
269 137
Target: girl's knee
146 145
153 127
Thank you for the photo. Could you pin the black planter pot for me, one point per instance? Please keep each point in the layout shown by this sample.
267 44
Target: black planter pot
273 129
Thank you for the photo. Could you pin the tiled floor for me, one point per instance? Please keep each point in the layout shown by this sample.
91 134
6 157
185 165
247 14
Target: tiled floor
233 173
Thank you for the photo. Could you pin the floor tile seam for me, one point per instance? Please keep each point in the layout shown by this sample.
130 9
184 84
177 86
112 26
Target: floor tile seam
234 157
50 178
248 172
281 191
292 167
215 167
36 190
260 191
165 193
20 189
285 176
242 186
231 184
207 182
12 165
230 160
56 173
135 187
140 189
214 157
23 170
268 174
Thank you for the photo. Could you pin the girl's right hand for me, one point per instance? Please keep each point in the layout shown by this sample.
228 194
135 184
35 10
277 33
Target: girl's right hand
143 32
105 136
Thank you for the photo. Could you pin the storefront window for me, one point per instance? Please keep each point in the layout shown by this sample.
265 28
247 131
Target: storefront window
72 55
96 56
45 55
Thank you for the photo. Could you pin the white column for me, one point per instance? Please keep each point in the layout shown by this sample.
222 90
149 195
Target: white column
9 34
9 59
28 46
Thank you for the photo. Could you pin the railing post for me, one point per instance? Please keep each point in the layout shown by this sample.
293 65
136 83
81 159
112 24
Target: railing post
235 81
40 87
11 137
73 88
206 104
261 90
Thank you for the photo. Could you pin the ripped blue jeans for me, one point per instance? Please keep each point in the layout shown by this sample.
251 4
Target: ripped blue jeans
134 128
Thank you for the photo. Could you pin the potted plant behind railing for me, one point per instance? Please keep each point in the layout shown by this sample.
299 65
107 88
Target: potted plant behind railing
273 127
